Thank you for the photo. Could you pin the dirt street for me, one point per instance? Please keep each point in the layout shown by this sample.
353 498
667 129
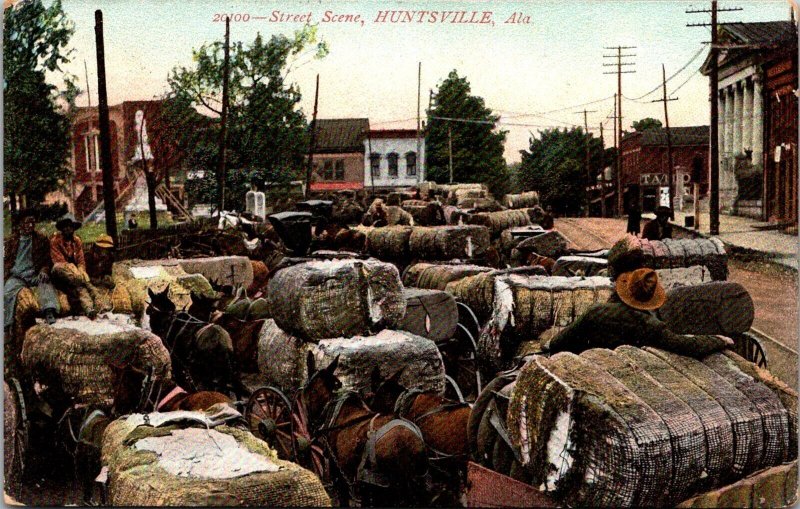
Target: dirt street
774 291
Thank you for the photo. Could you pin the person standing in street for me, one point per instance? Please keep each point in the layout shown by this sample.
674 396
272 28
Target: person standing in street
634 219
69 265
660 227
27 264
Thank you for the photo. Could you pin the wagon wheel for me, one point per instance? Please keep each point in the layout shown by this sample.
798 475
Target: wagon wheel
749 347
467 317
268 416
460 355
21 434
308 452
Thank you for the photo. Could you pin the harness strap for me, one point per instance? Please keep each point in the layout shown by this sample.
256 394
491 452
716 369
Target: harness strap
368 471
170 396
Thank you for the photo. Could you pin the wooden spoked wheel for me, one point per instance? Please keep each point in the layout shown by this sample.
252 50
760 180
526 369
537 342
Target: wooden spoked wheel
16 427
308 452
269 417
460 355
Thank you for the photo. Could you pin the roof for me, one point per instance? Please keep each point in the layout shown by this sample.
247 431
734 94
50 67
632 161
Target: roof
762 34
393 133
681 136
341 135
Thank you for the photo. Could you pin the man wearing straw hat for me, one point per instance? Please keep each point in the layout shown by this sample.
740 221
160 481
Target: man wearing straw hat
100 261
628 319
69 265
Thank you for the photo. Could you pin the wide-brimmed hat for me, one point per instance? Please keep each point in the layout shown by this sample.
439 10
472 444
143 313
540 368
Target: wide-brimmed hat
66 219
663 211
641 289
104 241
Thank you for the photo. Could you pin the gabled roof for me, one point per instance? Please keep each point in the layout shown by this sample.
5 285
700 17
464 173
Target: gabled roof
341 135
763 35
681 136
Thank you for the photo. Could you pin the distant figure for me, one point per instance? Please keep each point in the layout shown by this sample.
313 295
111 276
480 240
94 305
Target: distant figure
132 224
658 228
547 219
634 219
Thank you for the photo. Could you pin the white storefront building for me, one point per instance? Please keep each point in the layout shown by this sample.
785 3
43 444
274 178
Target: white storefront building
394 158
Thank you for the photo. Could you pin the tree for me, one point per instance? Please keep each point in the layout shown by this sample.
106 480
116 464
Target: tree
554 165
37 125
646 123
477 147
267 132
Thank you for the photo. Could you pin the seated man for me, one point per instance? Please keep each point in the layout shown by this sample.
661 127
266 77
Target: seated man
658 228
27 264
69 266
626 319
100 261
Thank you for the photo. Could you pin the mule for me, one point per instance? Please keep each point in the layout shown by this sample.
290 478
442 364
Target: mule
380 458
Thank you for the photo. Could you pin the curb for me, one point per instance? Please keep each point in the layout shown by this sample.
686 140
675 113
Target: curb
743 253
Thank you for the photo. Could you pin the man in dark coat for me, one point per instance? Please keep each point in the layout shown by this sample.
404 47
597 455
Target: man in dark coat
634 219
27 264
660 227
627 319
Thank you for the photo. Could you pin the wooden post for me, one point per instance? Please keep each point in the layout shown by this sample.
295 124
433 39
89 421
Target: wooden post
313 140
696 192
105 135
223 135
669 147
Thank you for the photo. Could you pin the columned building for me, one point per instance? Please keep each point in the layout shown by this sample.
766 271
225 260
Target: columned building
742 112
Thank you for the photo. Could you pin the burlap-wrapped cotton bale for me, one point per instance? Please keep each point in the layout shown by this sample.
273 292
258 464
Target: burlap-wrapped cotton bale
448 242
435 276
550 244
778 446
282 358
432 314
752 441
425 213
73 356
587 438
580 266
718 307
786 394
524 200
502 220
389 350
683 276
477 291
685 427
179 464
669 253
334 298
716 422
481 205
389 242
11 422
140 276
224 270
454 215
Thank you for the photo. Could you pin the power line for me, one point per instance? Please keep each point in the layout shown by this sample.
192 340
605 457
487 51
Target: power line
657 87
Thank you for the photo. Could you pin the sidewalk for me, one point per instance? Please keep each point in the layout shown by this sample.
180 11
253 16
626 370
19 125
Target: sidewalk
738 235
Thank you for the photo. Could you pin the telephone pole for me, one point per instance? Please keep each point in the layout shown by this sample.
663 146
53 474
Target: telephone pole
619 72
665 100
587 169
419 97
223 135
602 173
109 198
313 142
617 178
713 206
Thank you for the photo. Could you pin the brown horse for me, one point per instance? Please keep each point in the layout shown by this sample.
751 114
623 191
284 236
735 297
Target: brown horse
244 335
376 455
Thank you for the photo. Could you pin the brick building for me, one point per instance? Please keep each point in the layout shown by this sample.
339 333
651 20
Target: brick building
645 165
339 154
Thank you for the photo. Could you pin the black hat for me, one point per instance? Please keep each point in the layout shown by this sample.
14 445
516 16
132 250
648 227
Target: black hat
663 211
66 219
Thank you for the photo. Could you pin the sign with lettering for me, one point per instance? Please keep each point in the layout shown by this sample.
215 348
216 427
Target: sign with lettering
661 179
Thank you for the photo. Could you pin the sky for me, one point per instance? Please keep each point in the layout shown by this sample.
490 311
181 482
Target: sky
535 75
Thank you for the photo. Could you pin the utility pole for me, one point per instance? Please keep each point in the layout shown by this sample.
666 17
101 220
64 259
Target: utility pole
223 135
587 169
313 142
665 100
419 98
713 206
450 149
619 72
105 133
89 139
618 181
602 173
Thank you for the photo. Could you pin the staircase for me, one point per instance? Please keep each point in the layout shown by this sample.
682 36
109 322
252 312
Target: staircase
172 202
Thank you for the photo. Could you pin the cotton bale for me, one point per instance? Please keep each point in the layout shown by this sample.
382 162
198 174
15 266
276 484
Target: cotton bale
632 252
524 200
436 276
432 314
448 242
389 242
477 291
580 266
716 307
501 220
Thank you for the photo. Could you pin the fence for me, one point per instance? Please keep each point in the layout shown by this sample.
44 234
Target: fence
147 244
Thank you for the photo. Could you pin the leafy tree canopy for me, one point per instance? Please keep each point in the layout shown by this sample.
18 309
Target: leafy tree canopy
646 123
477 146
267 132
37 126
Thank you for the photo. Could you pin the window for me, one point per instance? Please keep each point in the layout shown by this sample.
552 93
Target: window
340 170
92 144
327 172
375 164
411 164
392 158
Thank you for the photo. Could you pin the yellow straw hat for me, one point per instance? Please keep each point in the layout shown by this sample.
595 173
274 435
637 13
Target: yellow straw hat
640 289
104 241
